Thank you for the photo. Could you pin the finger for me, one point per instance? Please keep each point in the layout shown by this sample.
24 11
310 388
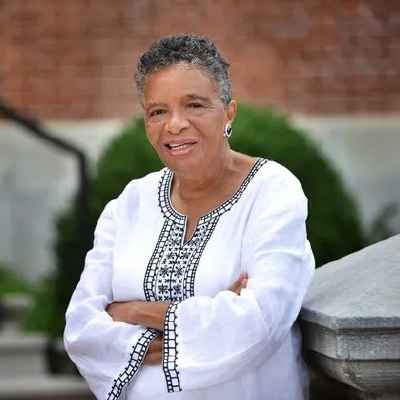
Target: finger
240 283
153 357
244 283
156 345
115 309
110 309
235 287
113 305
243 279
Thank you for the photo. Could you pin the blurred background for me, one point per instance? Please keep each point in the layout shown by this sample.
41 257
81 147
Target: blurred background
331 67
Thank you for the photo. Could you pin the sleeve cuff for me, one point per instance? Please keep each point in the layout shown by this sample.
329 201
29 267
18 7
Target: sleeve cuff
170 351
136 359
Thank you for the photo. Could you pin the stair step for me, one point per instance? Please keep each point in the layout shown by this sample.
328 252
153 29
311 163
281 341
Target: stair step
44 388
13 341
22 355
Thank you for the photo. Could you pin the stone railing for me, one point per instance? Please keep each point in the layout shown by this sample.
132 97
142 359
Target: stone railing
351 325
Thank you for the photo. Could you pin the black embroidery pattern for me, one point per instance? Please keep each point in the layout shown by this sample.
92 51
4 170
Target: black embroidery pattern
170 355
170 274
172 267
135 361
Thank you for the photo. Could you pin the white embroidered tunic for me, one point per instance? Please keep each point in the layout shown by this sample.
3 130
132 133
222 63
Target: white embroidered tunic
217 344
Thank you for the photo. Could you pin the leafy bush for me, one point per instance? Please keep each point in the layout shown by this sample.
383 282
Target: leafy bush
42 316
128 156
333 223
11 282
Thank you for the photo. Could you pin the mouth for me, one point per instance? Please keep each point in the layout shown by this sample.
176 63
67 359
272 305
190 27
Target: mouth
180 148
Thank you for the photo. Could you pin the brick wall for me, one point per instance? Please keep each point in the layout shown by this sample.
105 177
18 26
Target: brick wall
75 59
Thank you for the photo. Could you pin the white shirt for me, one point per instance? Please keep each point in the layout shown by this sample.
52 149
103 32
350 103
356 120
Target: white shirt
217 344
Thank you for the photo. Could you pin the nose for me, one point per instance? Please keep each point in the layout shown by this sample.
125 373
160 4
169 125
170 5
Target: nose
176 123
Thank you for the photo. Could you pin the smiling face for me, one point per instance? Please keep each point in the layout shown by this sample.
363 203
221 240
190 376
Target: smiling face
185 118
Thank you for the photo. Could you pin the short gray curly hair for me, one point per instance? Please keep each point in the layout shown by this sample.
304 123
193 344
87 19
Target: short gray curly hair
191 49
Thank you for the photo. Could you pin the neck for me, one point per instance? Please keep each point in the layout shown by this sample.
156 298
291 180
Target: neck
200 184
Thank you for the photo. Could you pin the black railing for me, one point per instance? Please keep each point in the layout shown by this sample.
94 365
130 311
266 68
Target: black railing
34 128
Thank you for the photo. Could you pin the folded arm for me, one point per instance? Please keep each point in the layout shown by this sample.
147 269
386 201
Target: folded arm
107 353
152 315
209 341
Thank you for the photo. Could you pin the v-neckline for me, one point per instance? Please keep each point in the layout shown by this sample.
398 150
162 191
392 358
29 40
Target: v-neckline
164 196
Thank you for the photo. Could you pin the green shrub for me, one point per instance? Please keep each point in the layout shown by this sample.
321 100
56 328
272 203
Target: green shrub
42 317
333 223
127 157
68 249
11 282
39 317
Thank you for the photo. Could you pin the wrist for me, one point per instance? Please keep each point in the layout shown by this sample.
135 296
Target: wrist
153 315
137 314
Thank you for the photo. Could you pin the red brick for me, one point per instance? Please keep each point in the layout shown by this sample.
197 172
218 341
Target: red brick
76 59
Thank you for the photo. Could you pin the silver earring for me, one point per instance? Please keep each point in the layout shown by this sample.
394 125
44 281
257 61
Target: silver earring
228 130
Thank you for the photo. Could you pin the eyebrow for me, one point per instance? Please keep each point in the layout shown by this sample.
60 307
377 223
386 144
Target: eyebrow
150 105
197 97
191 96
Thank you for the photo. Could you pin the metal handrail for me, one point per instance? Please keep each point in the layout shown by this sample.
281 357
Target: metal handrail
34 127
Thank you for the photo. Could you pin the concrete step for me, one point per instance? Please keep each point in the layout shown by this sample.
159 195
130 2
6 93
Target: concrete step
22 355
44 388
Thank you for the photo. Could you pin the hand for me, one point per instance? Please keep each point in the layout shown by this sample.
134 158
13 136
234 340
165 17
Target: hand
154 353
240 284
122 311
150 314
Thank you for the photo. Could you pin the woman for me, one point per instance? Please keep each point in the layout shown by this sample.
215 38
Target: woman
198 271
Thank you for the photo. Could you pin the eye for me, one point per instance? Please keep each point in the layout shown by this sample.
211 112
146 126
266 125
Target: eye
195 105
157 111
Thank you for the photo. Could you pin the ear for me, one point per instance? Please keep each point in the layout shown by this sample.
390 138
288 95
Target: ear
231 110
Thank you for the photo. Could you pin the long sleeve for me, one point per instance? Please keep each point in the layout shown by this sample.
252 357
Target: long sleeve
211 340
108 354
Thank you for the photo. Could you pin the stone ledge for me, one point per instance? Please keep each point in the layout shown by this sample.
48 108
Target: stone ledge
351 320
352 344
366 376
348 293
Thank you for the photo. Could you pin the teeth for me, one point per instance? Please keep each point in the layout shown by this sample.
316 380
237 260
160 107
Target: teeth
175 146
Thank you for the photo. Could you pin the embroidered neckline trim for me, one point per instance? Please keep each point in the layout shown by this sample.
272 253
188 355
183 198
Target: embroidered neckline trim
169 212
